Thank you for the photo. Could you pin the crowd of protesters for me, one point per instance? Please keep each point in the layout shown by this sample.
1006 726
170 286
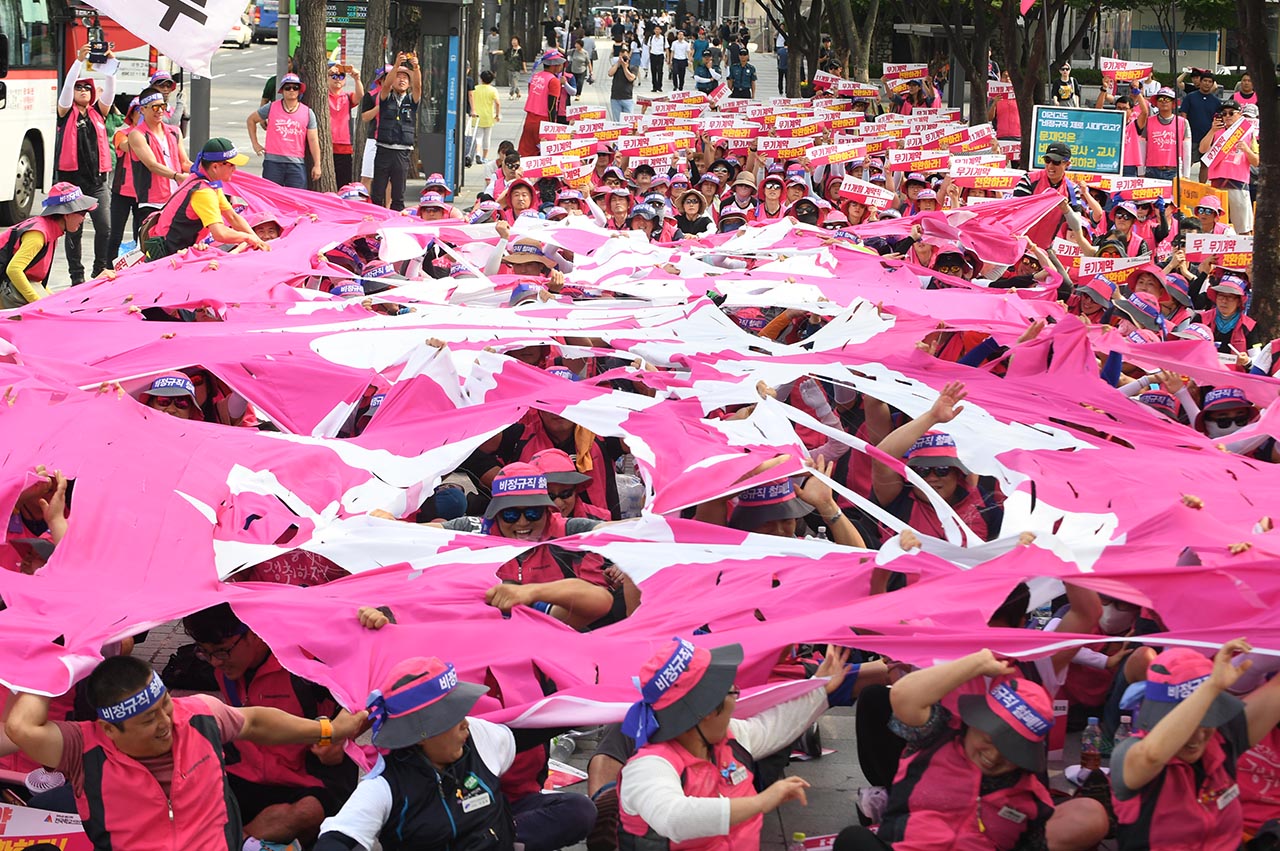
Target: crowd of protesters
955 753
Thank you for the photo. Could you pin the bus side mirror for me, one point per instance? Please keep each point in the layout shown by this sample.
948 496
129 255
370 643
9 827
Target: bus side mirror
4 55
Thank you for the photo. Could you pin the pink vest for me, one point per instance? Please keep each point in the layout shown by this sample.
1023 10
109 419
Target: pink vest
1185 815
539 88
287 131
340 118
539 440
1162 146
39 269
934 804
129 809
1242 99
1008 121
539 565
1132 141
701 778
147 187
1231 165
272 765
68 149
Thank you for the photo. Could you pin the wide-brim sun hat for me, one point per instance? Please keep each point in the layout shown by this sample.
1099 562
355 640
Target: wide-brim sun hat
421 698
1017 714
680 685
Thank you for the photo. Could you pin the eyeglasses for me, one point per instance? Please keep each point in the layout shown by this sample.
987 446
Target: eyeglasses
512 515
1227 422
337 76
222 655
166 86
564 494
179 402
291 88
941 472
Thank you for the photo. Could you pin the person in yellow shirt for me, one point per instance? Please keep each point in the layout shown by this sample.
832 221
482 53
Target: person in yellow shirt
26 249
485 112
200 203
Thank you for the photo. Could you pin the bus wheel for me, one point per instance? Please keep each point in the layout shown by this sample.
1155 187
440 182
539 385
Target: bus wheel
24 188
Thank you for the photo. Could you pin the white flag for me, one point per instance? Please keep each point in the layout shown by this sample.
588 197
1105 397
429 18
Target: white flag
187 31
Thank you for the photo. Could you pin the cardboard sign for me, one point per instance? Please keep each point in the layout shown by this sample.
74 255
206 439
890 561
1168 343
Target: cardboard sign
823 80
880 144
865 193
997 90
1108 266
778 148
854 89
1011 149
1202 245
535 168
568 147
795 127
1143 188
1095 136
583 111
977 160
906 70
719 95
982 177
22 827
1123 70
925 162
1069 253
550 130
840 152
1241 133
646 146
847 121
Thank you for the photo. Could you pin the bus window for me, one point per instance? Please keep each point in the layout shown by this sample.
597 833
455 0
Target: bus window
31 36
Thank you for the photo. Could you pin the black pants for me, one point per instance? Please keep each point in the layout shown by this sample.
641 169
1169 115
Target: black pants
858 838
390 165
100 216
878 749
122 208
342 169
678 67
655 70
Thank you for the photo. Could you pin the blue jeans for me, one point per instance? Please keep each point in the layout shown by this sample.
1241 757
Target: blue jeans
1129 171
617 107
545 822
1162 173
293 175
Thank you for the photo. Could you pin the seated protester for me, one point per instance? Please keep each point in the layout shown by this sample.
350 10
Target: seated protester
709 186
771 207
807 211
1174 781
201 203
283 791
1154 224
796 188
1095 668
432 207
354 192
518 197
743 198
1233 332
1124 232
730 218
1208 212
173 393
528 257
569 586
933 456
617 208
437 784
1140 317
1226 410
1173 296
1091 301
927 201
912 185
27 248
691 778
975 779
1035 267
265 226
564 485
691 215
642 175
776 509
650 221
151 759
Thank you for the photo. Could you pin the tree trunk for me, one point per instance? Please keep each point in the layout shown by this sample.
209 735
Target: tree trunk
373 61
506 29
860 58
844 33
311 63
1255 43
475 45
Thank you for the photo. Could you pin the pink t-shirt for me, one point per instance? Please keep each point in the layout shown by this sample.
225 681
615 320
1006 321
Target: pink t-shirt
340 106
1230 165
229 719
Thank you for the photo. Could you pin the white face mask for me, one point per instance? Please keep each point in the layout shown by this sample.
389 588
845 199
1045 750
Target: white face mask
1116 621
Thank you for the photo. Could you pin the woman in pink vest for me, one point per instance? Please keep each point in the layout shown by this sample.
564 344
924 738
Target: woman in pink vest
148 773
341 105
291 133
160 159
689 786
564 484
84 158
1174 781
26 249
1230 171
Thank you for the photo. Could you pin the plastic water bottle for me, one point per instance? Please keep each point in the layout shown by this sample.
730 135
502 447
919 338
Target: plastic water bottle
797 842
1124 731
562 748
1091 746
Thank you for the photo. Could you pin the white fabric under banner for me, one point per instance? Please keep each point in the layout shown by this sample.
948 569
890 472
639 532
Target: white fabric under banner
187 31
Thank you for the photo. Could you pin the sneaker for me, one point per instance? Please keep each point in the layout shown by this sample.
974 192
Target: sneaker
604 833
466 162
872 802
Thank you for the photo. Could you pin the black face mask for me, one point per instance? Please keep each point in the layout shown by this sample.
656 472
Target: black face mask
807 217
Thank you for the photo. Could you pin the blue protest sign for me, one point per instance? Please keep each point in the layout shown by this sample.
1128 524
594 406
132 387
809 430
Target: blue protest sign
1095 137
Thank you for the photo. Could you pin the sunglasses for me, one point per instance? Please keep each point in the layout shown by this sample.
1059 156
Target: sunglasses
512 515
1227 422
564 494
1031 261
155 107
84 87
337 76
179 402
1208 211
941 472
291 88
166 86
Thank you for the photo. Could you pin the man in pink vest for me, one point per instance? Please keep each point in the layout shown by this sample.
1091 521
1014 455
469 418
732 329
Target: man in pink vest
291 133
690 782
160 159
543 102
149 773
84 158
284 791
1168 139
1230 171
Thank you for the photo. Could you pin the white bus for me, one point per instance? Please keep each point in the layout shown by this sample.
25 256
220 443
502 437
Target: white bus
28 104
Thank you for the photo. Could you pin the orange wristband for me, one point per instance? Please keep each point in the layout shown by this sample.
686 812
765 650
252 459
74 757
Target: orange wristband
326 731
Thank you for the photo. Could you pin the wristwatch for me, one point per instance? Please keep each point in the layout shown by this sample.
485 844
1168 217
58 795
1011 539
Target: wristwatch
326 731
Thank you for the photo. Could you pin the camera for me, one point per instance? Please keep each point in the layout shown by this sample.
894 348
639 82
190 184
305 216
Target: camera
98 52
